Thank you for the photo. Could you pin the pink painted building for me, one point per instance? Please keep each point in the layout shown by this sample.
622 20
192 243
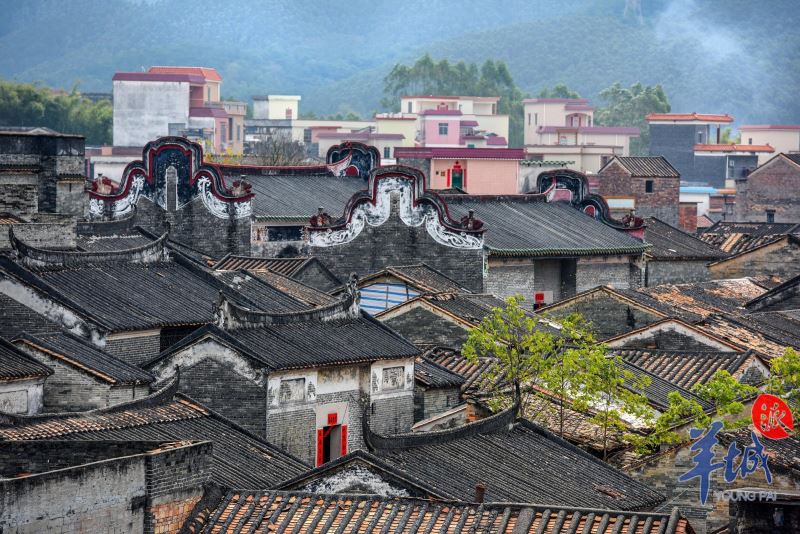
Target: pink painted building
477 171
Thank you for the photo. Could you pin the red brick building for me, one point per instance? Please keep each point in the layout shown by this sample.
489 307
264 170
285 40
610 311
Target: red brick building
649 185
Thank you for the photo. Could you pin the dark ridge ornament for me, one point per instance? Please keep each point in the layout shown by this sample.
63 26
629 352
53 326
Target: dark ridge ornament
164 160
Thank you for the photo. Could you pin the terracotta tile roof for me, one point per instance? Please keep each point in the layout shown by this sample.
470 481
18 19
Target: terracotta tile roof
733 148
297 290
684 368
689 117
433 375
476 375
707 298
736 331
283 512
15 364
240 459
207 73
736 237
769 127
9 218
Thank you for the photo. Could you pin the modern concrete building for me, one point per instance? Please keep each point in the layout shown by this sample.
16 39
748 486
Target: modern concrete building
782 137
563 129
181 101
692 144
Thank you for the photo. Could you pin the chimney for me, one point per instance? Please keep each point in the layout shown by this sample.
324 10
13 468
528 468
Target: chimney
480 492
471 219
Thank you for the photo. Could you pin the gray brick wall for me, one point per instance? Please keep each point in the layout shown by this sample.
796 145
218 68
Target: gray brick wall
60 233
779 260
766 190
71 390
135 349
424 327
593 272
19 194
394 243
294 430
96 498
392 415
669 340
433 401
676 272
510 278
194 225
227 392
609 317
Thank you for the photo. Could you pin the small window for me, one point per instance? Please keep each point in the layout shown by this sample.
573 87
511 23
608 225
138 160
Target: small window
770 216
700 138
393 378
535 118
443 128
409 107
209 94
749 140
307 136
387 152
471 145
648 186
292 390
238 132
285 233
288 113
529 119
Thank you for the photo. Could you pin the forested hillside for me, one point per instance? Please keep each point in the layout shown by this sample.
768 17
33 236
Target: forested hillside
734 56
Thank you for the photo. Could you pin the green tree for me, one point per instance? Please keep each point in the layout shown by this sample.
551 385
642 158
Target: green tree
66 112
784 379
559 91
629 107
616 396
518 344
431 77
570 358
727 137
722 390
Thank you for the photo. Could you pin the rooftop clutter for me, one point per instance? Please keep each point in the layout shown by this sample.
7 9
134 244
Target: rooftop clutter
273 390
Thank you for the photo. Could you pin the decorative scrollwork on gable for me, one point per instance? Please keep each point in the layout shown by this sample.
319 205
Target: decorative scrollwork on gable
417 207
192 178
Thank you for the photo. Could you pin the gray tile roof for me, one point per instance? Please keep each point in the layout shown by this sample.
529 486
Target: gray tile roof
98 243
658 390
312 344
15 364
684 368
268 297
520 225
647 166
422 276
87 358
297 196
240 458
670 243
518 462
433 375
738 237
125 296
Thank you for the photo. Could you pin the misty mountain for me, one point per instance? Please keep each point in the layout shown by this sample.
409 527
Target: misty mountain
734 56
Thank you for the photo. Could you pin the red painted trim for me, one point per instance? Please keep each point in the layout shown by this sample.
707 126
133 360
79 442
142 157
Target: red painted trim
332 418
344 440
448 178
320 446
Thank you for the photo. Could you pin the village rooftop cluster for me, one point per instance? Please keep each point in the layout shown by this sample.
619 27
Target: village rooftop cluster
193 344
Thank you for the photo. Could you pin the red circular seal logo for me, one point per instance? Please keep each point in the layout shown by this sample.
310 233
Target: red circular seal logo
772 416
